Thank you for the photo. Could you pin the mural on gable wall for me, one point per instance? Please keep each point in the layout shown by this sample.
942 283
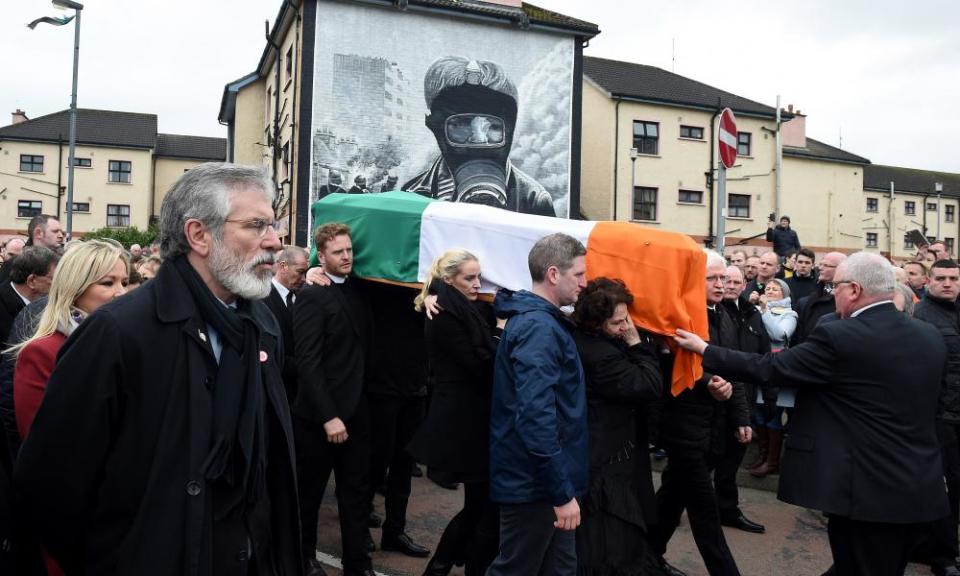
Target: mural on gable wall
450 109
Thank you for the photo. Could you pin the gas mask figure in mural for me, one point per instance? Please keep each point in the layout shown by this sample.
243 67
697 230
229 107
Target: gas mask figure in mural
473 114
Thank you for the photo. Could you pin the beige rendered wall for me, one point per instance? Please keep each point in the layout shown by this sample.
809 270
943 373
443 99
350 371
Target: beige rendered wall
596 153
881 222
825 203
91 185
249 132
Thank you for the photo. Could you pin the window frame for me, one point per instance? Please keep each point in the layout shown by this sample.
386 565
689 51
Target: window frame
931 206
119 215
876 205
89 162
909 208
872 240
948 242
31 207
748 144
683 191
689 129
119 171
32 162
639 203
730 207
948 212
643 142
907 242
81 210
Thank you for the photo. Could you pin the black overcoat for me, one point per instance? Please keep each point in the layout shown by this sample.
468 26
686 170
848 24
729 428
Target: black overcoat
110 475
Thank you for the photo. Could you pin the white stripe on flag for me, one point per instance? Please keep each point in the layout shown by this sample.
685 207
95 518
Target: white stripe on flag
728 138
499 238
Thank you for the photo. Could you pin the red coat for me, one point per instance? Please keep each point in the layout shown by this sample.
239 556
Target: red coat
34 366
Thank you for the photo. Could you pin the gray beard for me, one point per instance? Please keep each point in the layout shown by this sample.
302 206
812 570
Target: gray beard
239 277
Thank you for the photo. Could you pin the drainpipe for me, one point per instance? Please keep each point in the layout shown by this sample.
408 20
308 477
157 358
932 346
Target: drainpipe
893 215
59 171
616 154
293 116
276 104
779 182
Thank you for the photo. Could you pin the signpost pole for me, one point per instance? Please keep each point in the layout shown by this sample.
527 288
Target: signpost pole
721 209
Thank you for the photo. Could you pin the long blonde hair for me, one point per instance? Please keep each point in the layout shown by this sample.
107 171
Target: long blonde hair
446 266
83 264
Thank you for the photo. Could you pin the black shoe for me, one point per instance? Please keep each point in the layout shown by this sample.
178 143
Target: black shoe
668 569
368 543
437 568
416 472
403 544
314 568
374 521
741 522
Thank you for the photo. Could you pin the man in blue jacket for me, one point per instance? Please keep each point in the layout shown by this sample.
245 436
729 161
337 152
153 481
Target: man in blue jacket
538 423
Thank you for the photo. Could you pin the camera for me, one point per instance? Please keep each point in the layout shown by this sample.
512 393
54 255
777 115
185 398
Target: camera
772 216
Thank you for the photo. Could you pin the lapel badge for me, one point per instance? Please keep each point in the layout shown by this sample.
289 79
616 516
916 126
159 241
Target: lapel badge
202 335
263 356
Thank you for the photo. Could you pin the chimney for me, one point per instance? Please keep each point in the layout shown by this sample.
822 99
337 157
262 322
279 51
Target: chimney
18 117
794 131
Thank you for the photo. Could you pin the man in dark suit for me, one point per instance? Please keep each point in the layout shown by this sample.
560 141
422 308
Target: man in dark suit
333 186
30 275
288 279
164 444
863 445
820 302
333 333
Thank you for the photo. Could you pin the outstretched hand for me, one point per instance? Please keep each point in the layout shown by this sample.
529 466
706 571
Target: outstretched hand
690 341
316 277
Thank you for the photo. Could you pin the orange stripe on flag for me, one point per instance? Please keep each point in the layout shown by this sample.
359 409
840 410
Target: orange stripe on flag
665 272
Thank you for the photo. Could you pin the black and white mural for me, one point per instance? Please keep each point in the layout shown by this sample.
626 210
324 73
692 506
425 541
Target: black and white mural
451 109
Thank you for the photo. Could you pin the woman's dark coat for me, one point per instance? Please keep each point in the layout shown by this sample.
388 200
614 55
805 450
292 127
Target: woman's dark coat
454 439
110 476
619 503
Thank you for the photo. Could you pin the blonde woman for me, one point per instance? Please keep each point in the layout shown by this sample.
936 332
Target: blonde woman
461 344
88 276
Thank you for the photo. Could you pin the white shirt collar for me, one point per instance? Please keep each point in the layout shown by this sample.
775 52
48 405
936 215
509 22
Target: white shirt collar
337 279
17 292
874 305
283 290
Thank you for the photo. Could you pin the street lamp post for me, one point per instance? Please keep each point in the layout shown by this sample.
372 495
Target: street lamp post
633 176
77 7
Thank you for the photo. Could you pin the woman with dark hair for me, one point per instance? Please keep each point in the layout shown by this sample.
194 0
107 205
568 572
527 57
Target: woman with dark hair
622 370
453 440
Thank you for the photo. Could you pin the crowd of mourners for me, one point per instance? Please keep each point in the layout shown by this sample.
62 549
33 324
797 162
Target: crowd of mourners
191 426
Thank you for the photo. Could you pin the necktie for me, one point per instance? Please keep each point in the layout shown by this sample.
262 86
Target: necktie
290 298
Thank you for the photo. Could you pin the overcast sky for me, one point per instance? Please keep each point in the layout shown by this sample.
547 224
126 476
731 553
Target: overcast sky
883 73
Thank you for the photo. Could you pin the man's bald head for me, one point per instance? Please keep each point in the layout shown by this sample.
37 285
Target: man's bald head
828 265
769 266
733 283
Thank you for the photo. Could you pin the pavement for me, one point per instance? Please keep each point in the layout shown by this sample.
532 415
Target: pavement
795 542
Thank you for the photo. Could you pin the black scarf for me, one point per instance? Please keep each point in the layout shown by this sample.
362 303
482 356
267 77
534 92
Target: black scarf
456 304
237 454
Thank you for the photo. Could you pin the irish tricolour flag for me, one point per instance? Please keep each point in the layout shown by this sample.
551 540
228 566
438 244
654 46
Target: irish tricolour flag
397 235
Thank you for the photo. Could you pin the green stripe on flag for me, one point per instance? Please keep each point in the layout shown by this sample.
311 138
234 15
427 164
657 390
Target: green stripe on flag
385 229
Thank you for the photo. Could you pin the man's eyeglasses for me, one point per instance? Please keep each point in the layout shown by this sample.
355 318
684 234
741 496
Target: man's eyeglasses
258 225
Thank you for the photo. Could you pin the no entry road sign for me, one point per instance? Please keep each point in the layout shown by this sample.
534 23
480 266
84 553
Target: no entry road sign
728 138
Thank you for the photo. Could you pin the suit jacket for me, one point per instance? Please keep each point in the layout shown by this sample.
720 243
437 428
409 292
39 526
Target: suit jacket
862 441
332 331
111 475
10 305
284 316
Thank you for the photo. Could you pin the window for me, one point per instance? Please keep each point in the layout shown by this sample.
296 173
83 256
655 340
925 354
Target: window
118 215
120 171
691 197
931 206
871 239
29 208
949 244
931 239
743 143
872 205
644 203
948 212
691 132
289 64
738 206
82 162
907 242
81 206
31 163
646 137
909 208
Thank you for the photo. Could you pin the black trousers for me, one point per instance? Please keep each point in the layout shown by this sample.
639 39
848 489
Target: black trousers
943 539
531 546
725 479
473 535
871 548
686 484
350 461
395 420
